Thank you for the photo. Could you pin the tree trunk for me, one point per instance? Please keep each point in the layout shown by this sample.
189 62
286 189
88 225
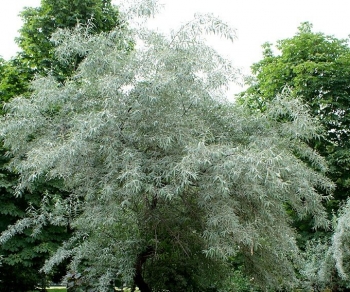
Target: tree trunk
138 279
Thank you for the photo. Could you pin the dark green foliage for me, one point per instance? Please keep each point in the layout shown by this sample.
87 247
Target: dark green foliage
15 77
23 254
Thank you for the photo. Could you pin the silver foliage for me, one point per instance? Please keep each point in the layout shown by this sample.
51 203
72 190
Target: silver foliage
340 249
139 135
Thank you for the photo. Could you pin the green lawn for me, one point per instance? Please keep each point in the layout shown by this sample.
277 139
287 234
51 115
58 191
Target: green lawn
54 289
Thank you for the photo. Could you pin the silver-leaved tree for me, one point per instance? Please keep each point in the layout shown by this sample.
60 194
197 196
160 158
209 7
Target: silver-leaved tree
327 262
168 180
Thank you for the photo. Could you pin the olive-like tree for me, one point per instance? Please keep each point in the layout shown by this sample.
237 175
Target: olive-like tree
166 176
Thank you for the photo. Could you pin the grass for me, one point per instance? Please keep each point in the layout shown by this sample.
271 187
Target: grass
54 289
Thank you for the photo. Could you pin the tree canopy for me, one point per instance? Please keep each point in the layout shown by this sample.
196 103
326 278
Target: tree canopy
41 22
315 67
37 50
163 173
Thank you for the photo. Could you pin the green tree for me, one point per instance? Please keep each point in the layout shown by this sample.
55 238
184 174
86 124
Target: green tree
316 67
37 50
40 23
15 77
24 255
166 178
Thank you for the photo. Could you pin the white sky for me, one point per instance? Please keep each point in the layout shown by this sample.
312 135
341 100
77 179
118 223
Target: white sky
256 21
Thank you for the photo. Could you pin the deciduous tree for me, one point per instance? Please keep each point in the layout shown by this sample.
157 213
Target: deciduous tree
166 177
317 69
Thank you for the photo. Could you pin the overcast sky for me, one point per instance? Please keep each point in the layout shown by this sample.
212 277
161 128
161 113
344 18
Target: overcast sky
256 21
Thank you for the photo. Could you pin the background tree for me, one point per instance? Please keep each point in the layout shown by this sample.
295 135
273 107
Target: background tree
15 78
37 50
317 68
41 22
161 170
24 255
